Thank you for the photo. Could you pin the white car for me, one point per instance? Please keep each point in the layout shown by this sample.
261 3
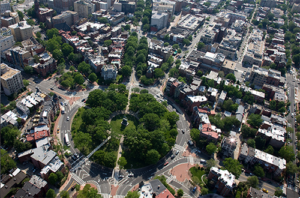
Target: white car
68 118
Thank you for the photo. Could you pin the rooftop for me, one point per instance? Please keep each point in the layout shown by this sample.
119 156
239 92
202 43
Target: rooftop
225 176
10 72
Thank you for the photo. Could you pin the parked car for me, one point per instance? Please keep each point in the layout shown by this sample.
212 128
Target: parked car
177 152
182 131
68 118
51 88
62 104
83 100
266 191
130 175
172 156
165 164
190 143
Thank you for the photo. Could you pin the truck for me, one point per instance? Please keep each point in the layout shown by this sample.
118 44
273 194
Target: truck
67 140
62 109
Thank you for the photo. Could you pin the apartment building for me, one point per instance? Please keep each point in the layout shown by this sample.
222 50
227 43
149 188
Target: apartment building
210 35
222 97
4 7
255 48
159 19
213 61
296 8
11 80
9 18
109 72
268 3
273 133
260 76
230 43
164 5
6 40
269 162
35 187
191 22
224 180
83 8
228 66
210 132
19 55
68 17
127 6
21 31
228 145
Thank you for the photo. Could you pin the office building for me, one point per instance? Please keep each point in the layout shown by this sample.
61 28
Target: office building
21 31
11 80
191 22
68 17
230 43
159 19
164 6
84 9
6 40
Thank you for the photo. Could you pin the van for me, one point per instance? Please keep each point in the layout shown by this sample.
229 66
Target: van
203 161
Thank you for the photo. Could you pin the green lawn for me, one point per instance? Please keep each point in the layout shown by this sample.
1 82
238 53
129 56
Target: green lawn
77 120
117 127
197 172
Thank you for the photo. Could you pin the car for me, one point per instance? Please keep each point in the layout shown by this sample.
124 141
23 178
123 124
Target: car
83 100
266 191
194 189
251 174
203 161
177 152
76 155
182 131
121 176
62 104
190 143
165 164
65 104
68 118
141 85
130 175
34 170
172 156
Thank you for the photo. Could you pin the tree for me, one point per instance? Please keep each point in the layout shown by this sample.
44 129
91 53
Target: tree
64 194
152 156
233 166
255 120
21 146
67 49
190 37
291 168
231 77
253 181
175 46
195 134
186 42
270 150
134 194
72 68
52 32
259 171
107 43
122 162
25 82
50 193
211 148
278 191
57 54
127 27
21 15
52 178
200 45
204 191
158 73
83 141
126 70
103 20
296 59
61 68
30 22
287 153
9 134
151 121
180 192
251 142
84 67
166 44
7 163
79 79
38 35
210 163
92 77
28 69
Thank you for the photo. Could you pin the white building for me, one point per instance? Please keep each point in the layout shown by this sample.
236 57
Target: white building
159 19
6 40
11 79
109 72
164 6
84 9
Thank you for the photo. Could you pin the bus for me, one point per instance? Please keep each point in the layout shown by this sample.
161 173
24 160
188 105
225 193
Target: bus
62 109
67 139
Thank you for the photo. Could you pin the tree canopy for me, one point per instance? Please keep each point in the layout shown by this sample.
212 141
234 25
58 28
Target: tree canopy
233 166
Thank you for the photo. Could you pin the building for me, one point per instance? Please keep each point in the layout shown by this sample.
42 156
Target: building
6 40
255 48
52 167
228 66
4 7
210 132
109 72
83 8
9 18
224 180
210 35
96 62
63 5
8 182
239 114
260 76
164 6
68 17
277 12
213 61
270 163
21 31
230 44
42 13
228 146
222 97
35 187
239 26
155 188
19 55
127 6
268 3
296 8
45 68
159 19
9 118
11 80
191 22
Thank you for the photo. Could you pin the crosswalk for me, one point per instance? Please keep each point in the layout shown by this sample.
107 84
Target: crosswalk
178 147
105 195
78 179
96 184
119 196
191 160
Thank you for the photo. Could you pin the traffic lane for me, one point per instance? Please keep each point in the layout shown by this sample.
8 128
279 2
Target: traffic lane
105 188
188 191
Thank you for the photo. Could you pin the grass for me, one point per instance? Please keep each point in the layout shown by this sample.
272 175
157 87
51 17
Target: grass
117 127
197 172
77 120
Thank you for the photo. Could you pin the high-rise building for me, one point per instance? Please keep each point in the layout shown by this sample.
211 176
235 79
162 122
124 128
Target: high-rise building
159 19
6 39
11 79
68 17
84 9
4 7
21 31
9 18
